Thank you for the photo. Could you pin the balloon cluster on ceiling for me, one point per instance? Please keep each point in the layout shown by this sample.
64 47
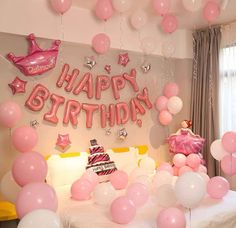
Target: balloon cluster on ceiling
105 9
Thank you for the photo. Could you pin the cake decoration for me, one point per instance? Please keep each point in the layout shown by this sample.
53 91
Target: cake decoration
99 161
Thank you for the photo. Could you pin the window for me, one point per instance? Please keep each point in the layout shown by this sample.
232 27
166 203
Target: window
227 87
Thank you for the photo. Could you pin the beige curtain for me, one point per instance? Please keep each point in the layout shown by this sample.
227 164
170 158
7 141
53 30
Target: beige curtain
204 97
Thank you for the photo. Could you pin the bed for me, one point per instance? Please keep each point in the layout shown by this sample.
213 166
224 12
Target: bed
210 214
66 168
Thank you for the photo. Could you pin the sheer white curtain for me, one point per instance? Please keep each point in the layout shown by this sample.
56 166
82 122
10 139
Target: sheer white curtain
227 83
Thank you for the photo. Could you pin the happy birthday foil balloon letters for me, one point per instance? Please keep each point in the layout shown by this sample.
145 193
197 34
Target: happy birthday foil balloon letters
37 61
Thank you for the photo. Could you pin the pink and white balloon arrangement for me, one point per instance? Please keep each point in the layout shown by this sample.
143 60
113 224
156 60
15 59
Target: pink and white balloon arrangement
223 151
34 199
169 103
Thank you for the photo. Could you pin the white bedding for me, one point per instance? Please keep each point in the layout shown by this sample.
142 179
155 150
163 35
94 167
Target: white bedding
210 214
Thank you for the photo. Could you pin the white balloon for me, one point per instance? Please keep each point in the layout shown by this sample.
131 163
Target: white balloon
165 195
148 45
9 188
190 189
168 49
192 5
217 150
122 5
136 173
174 105
205 177
161 178
104 194
138 19
41 218
145 180
148 164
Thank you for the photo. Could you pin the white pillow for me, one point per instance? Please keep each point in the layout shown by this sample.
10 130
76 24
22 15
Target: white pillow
64 171
126 161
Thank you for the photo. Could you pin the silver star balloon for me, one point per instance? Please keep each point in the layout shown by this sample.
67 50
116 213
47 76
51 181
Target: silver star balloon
146 67
89 62
34 123
122 134
108 131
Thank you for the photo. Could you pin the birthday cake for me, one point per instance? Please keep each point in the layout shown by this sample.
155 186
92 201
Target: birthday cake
99 161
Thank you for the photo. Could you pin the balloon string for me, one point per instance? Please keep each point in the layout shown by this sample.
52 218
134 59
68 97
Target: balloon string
10 133
62 40
190 217
219 168
121 35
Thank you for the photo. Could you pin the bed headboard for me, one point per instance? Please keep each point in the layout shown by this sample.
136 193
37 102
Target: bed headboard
64 169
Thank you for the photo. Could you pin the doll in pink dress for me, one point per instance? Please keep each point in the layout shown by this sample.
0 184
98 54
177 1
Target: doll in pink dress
185 141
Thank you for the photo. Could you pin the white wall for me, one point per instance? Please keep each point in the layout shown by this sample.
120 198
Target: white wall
80 25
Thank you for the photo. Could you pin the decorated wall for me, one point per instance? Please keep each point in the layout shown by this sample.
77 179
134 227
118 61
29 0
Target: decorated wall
147 130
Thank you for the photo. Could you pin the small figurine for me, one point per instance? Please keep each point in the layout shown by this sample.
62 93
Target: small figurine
185 141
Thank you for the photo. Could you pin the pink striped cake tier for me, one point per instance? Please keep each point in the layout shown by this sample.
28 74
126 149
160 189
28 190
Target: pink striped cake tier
95 158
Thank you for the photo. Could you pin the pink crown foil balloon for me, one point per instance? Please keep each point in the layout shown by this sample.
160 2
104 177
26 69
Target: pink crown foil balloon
37 61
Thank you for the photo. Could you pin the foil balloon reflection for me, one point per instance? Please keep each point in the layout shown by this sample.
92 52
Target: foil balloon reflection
37 61
122 134
185 141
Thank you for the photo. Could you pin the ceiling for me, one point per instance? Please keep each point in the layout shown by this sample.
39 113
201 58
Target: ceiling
186 19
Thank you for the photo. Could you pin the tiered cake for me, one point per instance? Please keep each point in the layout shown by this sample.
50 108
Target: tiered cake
99 162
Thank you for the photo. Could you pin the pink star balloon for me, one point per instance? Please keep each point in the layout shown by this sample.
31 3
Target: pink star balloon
123 59
37 61
63 141
17 85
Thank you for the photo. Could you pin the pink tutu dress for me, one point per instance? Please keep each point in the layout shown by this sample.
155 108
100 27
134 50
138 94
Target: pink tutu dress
185 142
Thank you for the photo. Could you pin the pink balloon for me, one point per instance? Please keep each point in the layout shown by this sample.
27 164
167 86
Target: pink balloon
217 187
29 167
185 169
171 218
229 141
179 160
138 194
92 177
175 171
35 196
71 113
122 113
202 169
51 115
166 167
193 161
171 89
161 6
24 138
161 103
228 164
119 179
10 113
37 61
103 83
122 210
169 23
81 189
101 43
61 6
104 9
89 109
165 117
211 11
